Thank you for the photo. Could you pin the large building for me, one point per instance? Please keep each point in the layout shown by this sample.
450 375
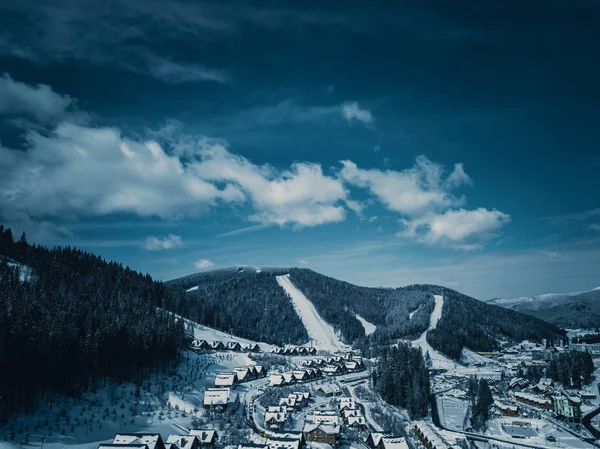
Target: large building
322 433
567 408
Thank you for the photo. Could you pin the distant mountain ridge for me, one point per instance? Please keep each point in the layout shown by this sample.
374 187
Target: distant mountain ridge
567 310
249 301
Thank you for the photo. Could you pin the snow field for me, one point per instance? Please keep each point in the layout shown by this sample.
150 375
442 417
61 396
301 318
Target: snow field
369 328
322 334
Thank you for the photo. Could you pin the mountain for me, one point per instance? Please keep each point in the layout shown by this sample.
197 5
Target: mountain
250 301
579 310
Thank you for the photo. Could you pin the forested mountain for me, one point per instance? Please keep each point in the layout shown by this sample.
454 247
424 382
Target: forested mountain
247 299
74 322
572 310
243 299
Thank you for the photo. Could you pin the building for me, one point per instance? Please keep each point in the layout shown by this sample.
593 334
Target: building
283 443
507 410
346 403
535 401
225 380
182 442
378 440
567 408
322 433
243 374
275 420
207 437
150 440
329 390
592 348
216 397
234 346
200 345
276 380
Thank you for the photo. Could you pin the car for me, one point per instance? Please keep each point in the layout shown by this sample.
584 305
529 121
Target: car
551 438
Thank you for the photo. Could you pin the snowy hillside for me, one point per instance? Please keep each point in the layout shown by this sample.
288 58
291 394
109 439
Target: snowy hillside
321 334
369 327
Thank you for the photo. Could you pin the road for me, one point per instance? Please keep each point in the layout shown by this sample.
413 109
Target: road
587 419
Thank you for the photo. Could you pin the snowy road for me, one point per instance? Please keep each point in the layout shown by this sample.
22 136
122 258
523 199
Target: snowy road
322 334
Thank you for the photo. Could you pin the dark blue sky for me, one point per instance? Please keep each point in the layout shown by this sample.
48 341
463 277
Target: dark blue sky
428 141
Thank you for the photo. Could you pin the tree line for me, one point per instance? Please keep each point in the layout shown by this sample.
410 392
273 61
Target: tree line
481 401
75 322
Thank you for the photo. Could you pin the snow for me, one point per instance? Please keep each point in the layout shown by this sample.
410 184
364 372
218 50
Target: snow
323 336
452 412
369 327
192 289
411 314
438 360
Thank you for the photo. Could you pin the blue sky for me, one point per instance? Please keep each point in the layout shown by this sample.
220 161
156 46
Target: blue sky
424 142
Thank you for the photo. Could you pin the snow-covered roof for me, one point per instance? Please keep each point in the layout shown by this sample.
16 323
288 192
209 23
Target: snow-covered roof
241 373
394 443
275 379
149 439
225 379
204 435
329 429
356 420
216 396
182 441
283 443
279 417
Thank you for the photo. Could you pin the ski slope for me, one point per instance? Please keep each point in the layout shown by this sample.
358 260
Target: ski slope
438 360
322 335
369 327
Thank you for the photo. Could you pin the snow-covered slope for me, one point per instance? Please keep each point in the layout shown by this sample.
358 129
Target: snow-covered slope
369 327
323 336
438 360
536 302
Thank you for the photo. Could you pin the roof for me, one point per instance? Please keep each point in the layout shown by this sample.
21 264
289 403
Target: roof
216 396
148 439
285 443
182 441
394 443
325 428
204 435
225 379
123 446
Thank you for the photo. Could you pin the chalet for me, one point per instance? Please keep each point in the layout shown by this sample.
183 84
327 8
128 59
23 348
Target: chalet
302 350
234 346
253 347
289 378
531 399
329 390
356 422
507 410
183 442
351 366
374 440
428 437
276 380
124 446
300 375
323 417
277 351
309 363
283 443
150 440
567 408
277 408
350 413
517 384
311 351
275 420
217 345
243 374
260 371
289 403
200 345
322 433
207 437
216 397
305 395
346 403
390 442
332 370
225 380
252 446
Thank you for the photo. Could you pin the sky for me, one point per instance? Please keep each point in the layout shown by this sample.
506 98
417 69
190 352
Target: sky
450 143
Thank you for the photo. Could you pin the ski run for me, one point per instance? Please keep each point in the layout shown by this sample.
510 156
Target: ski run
322 335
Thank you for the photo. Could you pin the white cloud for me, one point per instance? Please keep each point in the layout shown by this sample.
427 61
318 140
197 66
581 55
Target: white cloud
173 72
413 192
303 262
203 264
39 102
594 227
351 111
457 228
169 242
301 196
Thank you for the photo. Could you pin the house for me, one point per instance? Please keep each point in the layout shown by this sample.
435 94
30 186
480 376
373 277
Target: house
300 375
428 437
289 403
234 346
288 378
243 374
329 390
200 345
252 446
323 417
277 408
123 446
356 422
260 371
531 399
350 413
276 380
276 351
567 408
217 346
518 383
351 365
183 442
275 420
150 440
225 380
216 397
332 370
374 440
322 433
283 443
253 347
390 442
507 410
207 437
346 403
